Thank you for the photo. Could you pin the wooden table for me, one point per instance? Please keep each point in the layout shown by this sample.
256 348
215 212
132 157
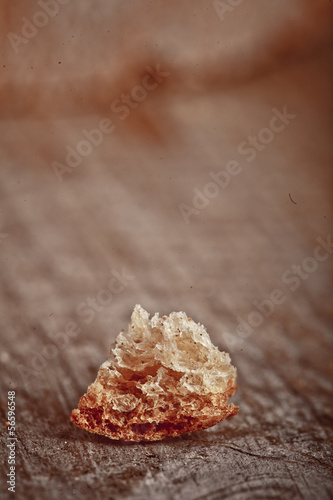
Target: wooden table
118 212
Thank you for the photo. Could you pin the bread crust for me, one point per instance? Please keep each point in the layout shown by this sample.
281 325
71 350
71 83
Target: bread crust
149 404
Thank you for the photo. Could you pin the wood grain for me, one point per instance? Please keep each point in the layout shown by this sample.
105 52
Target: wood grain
119 209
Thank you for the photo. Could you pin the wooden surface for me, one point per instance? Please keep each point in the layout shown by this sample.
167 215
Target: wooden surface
119 209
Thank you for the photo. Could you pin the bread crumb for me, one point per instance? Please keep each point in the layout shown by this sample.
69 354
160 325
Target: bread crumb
164 377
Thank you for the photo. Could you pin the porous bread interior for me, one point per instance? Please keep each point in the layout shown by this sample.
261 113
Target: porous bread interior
164 377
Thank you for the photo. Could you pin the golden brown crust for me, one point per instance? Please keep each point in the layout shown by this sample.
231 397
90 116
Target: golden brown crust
170 420
165 397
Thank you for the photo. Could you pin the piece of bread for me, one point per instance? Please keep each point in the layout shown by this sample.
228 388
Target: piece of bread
164 378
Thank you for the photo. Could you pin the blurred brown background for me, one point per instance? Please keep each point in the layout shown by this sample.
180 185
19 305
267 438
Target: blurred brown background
66 231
